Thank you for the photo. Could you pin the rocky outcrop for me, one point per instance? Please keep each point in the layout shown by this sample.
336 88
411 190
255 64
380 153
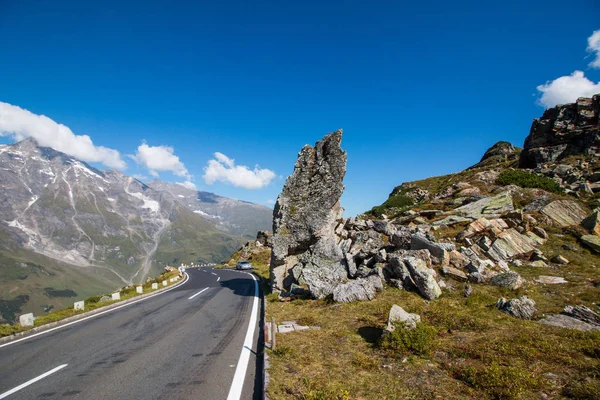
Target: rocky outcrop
499 152
489 207
564 213
562 131
305 216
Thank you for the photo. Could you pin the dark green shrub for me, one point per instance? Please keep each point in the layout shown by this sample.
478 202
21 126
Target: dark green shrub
398 201
526 179
402 341
93 299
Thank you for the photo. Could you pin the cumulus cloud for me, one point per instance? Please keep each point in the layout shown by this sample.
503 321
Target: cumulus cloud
270 201
160 158
223 169
567 89
20 124
188 184
594 48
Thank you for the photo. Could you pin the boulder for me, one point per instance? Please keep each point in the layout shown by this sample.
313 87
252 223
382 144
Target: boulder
550 280
488 207
592 223
322 279
360 289
509 280
565 321
591 241
423 278
523 307
583 313
564 212
398 315
454 273
558 259
306 214
438 251
509 244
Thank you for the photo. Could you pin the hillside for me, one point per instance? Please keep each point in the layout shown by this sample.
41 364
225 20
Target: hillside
69 229
494 269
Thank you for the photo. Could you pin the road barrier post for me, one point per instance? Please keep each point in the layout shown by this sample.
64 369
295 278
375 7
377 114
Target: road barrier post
273 334
139 289
80 305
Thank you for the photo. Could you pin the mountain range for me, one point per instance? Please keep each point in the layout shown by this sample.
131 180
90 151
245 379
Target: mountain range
68 229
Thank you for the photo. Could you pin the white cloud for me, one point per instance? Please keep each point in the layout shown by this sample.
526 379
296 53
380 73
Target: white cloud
188 184
270 201
20 124
160 158
594 48
223 169
567 89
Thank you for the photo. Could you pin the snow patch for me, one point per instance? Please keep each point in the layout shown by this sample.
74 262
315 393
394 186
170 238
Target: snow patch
150 204
181 196
206 214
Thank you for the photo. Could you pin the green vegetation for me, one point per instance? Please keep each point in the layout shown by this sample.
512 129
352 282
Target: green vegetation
526 179
399 202
403 341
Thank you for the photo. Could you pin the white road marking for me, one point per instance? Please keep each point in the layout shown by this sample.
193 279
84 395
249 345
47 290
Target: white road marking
189 298
235 392
218 278
187 277
213 273
34 380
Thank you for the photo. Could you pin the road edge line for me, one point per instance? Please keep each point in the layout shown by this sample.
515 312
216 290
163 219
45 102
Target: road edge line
237 385
53 326
31 381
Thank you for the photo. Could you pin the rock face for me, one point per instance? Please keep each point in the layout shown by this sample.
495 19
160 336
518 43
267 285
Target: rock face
499 152
306 215
562 131
564 212
489 207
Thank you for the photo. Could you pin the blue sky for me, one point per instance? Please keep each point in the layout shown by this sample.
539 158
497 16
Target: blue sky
420 90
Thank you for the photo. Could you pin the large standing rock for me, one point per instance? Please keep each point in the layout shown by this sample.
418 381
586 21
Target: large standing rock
398 314
564 130
305 217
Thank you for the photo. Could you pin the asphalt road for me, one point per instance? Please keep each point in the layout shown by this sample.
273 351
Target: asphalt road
166 347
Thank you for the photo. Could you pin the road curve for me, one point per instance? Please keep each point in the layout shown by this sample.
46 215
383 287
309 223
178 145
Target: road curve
183 344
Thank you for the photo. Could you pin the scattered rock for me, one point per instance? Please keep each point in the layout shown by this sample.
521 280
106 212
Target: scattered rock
538 264
468 291
398 315
438 251
558 259
565 321
522 307
455 273
583 313
540 232
360 289
550 280
509 280
591 241
592 223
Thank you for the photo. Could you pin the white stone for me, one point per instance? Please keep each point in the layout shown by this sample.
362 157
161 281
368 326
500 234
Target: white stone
26 319
164 283
154 286
116 296
550 280
79 305
139 289
285 328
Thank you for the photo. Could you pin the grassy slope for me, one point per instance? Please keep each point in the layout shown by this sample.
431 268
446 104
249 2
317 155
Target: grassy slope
477 352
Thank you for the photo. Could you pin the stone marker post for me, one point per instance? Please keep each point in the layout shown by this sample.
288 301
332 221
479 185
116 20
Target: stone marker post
79 305
26 319
164 283
116 296
139 289
154 286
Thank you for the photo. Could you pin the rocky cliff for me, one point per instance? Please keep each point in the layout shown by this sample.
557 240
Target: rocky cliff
562 131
